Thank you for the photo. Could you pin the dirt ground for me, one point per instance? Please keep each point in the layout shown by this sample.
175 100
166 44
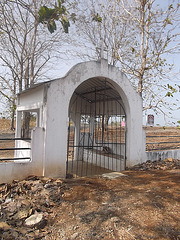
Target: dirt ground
141 204
137 205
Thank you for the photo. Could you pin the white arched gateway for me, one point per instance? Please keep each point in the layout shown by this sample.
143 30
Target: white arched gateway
97 129
91 116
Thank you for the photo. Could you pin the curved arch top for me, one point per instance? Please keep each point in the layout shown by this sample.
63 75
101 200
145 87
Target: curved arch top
92 69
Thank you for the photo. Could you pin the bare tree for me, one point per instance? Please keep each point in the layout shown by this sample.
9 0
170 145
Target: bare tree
26 47
138 36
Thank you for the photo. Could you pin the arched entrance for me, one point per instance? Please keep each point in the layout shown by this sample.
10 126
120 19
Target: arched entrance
97 129
105 122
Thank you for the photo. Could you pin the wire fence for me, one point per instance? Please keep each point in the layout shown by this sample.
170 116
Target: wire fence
7 149
162 142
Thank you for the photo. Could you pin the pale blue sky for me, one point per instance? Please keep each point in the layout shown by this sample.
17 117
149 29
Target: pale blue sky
63 66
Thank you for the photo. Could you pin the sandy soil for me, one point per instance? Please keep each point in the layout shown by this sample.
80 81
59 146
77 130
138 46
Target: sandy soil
139 205
142 204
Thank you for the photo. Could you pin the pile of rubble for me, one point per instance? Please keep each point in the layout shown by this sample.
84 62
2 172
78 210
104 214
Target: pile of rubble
26 207
167 164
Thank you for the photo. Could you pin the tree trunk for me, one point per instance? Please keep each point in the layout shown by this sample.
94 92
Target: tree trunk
13 119
140 86
13 109
25 129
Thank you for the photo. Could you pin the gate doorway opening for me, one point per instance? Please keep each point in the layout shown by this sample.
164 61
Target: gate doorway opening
97 129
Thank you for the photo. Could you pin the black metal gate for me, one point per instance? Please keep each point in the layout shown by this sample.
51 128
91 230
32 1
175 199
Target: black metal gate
97 130
10 149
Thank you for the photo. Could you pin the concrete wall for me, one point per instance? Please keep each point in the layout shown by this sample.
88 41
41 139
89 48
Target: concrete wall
22 153
161 155
28 99
10 171
103 161
59 94
78 105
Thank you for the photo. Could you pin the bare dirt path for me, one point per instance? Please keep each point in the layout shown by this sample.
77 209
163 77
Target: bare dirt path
140 205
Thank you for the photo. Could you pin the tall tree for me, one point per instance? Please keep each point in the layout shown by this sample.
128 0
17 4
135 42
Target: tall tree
138 36
26 47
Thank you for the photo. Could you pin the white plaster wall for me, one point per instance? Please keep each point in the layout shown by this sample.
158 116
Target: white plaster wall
162 155
20 170
31 97
59 94
22 153
83 107
56 130
104 161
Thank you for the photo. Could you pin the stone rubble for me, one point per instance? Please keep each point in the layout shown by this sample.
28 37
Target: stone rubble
167 164
28 208
26 205
34 219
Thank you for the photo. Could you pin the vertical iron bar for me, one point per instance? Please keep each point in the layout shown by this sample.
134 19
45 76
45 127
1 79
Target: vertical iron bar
92 131
112 135
68 147
74 143
103 129
107 132
121 141
100 124
125 136
89 138
116 107
79 135
96 130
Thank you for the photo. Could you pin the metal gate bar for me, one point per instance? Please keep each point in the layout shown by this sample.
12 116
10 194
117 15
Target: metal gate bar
9 149
14 149
12 139
98 140
12 159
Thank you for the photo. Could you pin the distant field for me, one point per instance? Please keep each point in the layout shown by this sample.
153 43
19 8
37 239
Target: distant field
5 132
168 142
5 125
167 138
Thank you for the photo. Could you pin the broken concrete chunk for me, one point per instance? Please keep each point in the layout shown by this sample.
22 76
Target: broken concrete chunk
113 175
34 219
8 200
